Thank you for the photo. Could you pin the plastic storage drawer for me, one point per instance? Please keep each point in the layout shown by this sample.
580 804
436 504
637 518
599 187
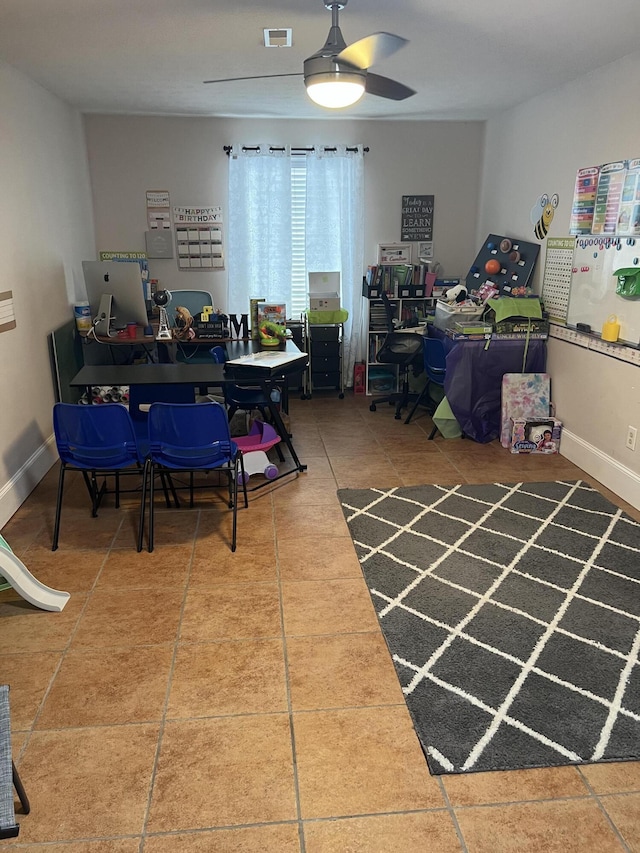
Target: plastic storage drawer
324 333
326 379
325 365
324 349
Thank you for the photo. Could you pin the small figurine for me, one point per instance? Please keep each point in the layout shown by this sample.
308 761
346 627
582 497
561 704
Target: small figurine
184 323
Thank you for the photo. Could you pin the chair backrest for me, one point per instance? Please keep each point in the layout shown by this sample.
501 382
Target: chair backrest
389 311
192 300
218 354
141 396
190 435
95 437
435 364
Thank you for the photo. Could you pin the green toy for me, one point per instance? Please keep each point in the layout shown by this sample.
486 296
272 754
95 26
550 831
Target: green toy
628 282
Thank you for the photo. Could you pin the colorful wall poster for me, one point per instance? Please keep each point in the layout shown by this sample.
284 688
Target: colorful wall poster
609 197
584 200
629 213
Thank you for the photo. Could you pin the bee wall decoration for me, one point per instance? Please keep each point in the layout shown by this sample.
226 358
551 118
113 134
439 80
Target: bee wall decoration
542 214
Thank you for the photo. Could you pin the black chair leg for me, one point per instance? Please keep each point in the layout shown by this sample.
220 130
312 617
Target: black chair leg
244 481
56 525
233 474
423 394
143 501
151 482
22 794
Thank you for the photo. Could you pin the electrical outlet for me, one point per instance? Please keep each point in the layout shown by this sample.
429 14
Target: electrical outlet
632 433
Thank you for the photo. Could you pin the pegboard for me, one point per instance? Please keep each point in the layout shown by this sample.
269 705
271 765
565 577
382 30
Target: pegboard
516 260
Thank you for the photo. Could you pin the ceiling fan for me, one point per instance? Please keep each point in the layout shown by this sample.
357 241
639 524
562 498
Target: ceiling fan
338 75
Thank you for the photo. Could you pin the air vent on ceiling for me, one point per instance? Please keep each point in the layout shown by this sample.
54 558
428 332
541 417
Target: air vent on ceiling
280 37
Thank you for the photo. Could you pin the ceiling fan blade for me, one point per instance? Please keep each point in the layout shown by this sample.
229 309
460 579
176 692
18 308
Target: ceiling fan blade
258 77
371 49
386 88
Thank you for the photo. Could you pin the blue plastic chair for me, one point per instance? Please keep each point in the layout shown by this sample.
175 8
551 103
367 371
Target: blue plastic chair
140 399
435 366
97 441
189 437
142 396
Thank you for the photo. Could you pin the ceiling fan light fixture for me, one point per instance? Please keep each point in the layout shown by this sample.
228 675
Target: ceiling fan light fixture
335 89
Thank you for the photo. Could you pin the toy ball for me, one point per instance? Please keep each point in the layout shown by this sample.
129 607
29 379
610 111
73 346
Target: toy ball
492 267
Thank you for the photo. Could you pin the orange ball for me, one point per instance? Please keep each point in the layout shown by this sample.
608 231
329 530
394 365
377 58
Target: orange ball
492 267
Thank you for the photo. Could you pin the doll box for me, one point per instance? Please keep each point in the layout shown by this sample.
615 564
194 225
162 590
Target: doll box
535 435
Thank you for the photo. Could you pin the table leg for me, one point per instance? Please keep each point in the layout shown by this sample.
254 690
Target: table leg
280 427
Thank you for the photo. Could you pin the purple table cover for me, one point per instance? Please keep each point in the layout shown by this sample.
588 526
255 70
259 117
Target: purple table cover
473 381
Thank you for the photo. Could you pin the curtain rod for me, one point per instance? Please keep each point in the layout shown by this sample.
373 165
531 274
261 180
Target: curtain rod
229 148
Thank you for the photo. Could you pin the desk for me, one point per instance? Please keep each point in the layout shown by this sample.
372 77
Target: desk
122 348
200 375
473 381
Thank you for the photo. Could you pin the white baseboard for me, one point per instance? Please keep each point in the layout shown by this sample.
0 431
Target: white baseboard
608 471
19 487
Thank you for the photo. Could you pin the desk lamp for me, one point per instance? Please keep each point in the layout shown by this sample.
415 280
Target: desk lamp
162 298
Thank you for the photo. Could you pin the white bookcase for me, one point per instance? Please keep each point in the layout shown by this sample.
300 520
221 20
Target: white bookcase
383 378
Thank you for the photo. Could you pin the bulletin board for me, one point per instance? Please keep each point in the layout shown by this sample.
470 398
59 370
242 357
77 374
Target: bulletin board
505 262
593 296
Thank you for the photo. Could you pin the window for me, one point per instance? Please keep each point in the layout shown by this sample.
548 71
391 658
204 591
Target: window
298 301
292 212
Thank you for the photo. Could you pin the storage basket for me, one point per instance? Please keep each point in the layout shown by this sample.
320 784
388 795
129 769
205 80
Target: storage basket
448 315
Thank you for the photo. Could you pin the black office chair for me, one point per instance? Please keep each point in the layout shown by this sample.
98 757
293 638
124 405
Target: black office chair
403 349
436 368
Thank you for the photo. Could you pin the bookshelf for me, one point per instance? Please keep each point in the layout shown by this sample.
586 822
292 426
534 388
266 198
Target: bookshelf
413 292
412 313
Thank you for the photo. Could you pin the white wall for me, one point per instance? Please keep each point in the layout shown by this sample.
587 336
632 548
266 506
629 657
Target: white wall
129 155
46 229
536 148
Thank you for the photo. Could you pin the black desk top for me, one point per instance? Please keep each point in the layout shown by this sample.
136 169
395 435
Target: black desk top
184 373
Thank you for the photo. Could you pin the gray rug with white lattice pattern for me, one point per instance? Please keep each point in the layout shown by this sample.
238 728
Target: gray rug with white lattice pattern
512 613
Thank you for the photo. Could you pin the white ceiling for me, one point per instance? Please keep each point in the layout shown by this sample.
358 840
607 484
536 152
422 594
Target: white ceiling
466 60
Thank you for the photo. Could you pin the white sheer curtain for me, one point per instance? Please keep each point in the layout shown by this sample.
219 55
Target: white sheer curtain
259 238
260 229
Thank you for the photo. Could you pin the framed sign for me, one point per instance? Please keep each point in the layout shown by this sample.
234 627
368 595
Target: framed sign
417 218
394 253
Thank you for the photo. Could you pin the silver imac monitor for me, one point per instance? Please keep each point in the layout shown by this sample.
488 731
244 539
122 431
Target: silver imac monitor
123 282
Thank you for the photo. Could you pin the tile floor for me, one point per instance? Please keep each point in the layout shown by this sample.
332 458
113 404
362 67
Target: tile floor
196 700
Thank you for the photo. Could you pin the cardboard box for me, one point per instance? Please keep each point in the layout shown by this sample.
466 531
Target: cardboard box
324 302
471 327
522 325
324 291
535 435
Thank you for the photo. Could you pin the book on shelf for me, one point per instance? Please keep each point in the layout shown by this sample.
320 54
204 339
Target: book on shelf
396 278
